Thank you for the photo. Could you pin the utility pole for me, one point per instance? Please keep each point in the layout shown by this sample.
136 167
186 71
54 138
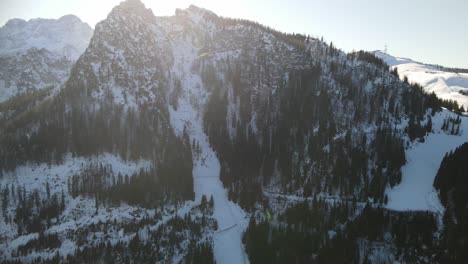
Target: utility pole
386 49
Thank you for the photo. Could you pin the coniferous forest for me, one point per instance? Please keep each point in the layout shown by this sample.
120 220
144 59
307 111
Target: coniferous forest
195 138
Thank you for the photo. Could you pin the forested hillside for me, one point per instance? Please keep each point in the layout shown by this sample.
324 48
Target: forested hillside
195 138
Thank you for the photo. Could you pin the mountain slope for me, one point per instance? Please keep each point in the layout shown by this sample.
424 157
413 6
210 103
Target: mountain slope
110 117
230 217
39 53
416 191
446 85
187 126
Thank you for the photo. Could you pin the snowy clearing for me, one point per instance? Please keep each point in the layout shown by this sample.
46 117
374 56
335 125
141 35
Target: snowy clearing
416 191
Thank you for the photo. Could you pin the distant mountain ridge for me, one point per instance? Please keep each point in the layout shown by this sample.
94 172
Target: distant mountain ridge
67 36
446 83
39 53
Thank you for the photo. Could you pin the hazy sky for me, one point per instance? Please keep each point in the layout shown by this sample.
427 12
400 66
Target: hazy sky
432 31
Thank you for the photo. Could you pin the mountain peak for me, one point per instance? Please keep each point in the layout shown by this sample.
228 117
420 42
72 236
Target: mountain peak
132 7
14 22
133 4
130 20
195 11
70 18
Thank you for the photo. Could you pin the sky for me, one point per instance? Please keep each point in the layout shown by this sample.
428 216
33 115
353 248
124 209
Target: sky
430 31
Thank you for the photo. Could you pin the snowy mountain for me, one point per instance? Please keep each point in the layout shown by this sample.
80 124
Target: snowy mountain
39 53
445 84
67 36
195 138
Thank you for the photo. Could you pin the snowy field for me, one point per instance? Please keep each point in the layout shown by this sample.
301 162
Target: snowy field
446 85
416 191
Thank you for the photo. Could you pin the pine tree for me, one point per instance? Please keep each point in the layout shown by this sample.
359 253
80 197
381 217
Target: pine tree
96 204
444 125
429 125
62 203
203 202
211 202
48 190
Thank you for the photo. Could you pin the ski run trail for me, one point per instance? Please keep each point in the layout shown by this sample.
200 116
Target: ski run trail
416 191
231 219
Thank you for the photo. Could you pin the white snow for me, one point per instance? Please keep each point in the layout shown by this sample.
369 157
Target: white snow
22 240
416 191
67 248
446 85
231 219
6 92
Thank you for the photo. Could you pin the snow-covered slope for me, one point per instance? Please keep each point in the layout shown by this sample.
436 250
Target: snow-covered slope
144 58
231 219
135 61
81 212
34 177
39 53
416 191
34 69
446 85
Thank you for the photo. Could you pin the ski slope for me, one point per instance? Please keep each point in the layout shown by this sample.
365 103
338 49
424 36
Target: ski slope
231 219
446 85
416 191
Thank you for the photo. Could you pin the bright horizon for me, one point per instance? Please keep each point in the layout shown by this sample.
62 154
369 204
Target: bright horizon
426 31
